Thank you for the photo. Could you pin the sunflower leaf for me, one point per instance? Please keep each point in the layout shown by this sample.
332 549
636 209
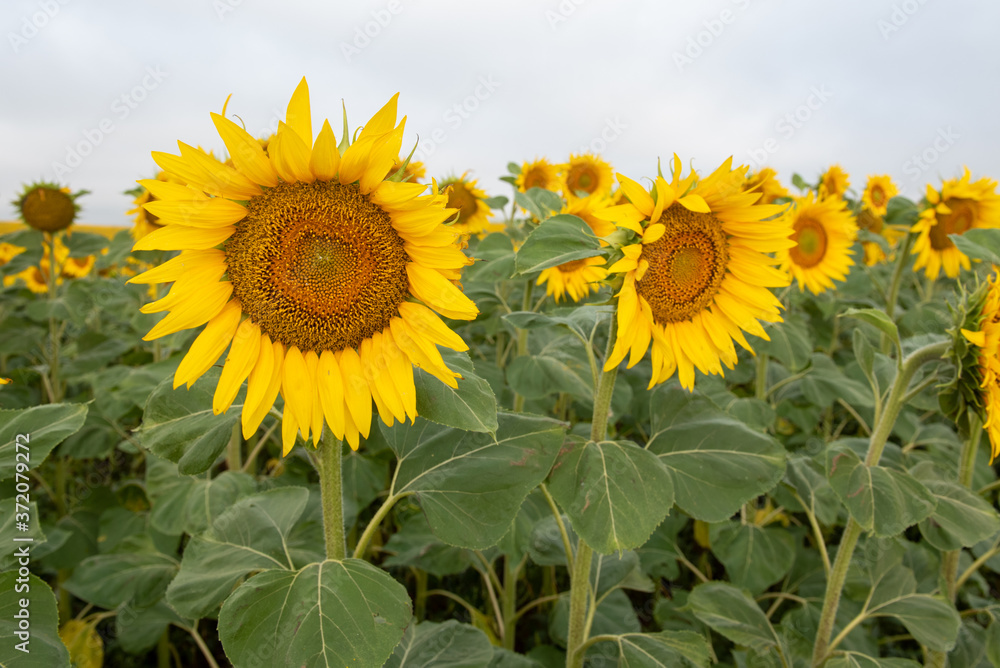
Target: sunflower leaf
979 244
470 406
878 319
556 241
449 643
30 434
45 646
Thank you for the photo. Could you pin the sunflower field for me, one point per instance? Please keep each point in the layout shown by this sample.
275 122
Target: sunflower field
318 408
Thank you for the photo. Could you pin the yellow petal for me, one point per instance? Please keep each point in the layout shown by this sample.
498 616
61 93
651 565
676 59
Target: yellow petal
383 156
382 377
182 237
316 423
218 178
368 368
290 156
330 385
325 159
430 287
401 372
357 395
665 196
176 267
295 389
207 347
298 116
383 121
653 233
420 355
242 356
263 385
696 203
426 323
976 338
289 430
193 313
246 152
188 288
168 190
210 213
392 194
640 198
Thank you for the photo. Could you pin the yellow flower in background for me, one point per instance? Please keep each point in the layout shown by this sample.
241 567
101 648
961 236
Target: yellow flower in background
36 278
577 278
48 207
470 201
878 191
700 273
961 205
414 171
766 182
538 174
834 182
586 175
334 276
874 223
824 230
987 339
587 208
8 251
146 222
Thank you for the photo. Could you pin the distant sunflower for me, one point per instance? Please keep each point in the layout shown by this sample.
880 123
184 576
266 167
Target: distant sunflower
48 207
146 222
587 208
823 232
987 339
8 251
538 174
586 175
470 201
834 182
766 182
878 191
332 274
414 171
960 206
699 274
33 279
36 278
577 278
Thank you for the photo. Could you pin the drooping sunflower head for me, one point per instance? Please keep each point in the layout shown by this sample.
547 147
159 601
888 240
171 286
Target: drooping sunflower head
324 279
878 191
823 231
976 357
961 205
698 272
577 278
834 182
538 174
48 207
470 201
586 175
766 182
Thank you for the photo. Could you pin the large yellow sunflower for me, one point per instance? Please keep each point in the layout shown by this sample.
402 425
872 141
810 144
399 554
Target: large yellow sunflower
987 339
766 182
538 174
834 182
577 278
823 231
698 276
473 212
323 276
960 206
586 175
878 191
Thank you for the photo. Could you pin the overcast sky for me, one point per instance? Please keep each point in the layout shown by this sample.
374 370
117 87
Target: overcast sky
904 87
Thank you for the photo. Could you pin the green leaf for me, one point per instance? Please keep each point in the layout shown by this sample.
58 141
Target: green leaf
537 376
471 485
30 434
932 621
180 425
257 533
755 557
136 571
960 519
496 202
415 545
183 504
558 240
878 319
614 615
447 645
471 406
666 649
732 613
880 499
979 244
857 660
825 383
809 480
332 613
9 533
790 343
42 645
539 202
615 492
82 244
139 629
717 463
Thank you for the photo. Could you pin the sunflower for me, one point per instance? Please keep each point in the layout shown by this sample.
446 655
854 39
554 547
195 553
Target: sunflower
961 205
987 339
878 191
32 277
538 174
766 181
333 274
698 276
48 207
834 182
8 251
146 222
577 278
586 175
36 278
473 212
587 208
823 231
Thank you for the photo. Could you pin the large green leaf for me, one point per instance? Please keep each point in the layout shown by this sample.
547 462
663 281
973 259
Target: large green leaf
138 629
825 383
446 645
415 545
614 492
185 504
471 485
332 613
470 406
41 644
931 620
255 534
666 649
857 660
755 557
558 240
29 435
979 244
135 571
809 480
880 499
180 425
960 519
790 343
717 463
878 319
732 613
10 533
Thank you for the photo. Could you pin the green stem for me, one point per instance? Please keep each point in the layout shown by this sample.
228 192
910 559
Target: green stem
760 381
887 419
509 602
522 339
163 649
234 451
897 275
369 532
966 465
332 493
420 596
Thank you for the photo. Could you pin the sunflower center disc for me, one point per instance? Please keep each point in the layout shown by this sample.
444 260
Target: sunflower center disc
878 196
536 178
317 265
582 178
686 265
48 209
460 198
811 241
869 221
959 221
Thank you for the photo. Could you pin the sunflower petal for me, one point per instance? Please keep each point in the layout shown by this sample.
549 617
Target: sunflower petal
246 152
209 345
325 159
263 385
298 116
243 355
430 287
